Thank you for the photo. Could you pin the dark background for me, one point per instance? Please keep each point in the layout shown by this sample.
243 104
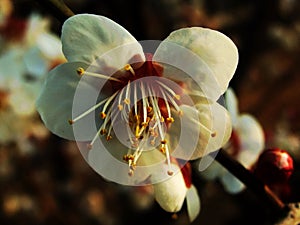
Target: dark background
56 186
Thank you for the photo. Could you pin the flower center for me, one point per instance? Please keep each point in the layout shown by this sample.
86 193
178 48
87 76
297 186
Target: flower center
141 106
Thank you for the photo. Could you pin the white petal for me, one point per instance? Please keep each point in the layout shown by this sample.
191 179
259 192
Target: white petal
170 194
252 139
34 62
207 56
213 171
106 158
222 128
55 103
50 46
232 105
193 203
12 68
86 37
203 129
23 97
231 183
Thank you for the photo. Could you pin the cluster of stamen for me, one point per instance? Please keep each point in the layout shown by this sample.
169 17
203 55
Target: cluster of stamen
145 108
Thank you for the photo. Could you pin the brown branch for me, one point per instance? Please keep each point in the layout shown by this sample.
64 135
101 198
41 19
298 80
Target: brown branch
252 183
58 8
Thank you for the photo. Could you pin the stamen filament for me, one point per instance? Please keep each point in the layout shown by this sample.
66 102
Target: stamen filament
128 67
109 101
170 172
82 72
88 111
169 90
135 98
127 99
144 104
166 102
212 133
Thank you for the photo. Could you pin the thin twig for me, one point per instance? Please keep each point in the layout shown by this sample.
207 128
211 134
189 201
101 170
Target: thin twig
252 183
58 8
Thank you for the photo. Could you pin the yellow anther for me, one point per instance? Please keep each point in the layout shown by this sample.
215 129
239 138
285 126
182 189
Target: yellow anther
149 109
80 71
126 101
163 150
170 173
144 124
102 115
103 132
180 113
108 137
170 120
177 97
162 119
128 67
137 118
130 173
163 142
120 107
213 134
71 122
128 157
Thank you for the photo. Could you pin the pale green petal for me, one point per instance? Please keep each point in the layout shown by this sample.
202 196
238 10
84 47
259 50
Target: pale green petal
23 97
232 105
35 64
106 155
86 37
50 46
204 129
221 128
252 139
11 72
186 136
209 57
213 171
231 183
193 203
171 193
55 102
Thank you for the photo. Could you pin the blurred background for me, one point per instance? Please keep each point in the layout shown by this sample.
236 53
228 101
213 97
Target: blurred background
44 179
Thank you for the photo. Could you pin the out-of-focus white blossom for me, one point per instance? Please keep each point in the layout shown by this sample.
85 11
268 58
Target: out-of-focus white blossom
245 145
23 66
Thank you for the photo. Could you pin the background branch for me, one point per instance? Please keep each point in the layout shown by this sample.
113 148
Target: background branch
58 8
252 183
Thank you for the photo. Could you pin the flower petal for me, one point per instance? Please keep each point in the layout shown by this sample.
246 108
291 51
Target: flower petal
232 105
231 183
170 194
213 171
205 128
208 57
193 203
86 37
55 102
105 155
252 139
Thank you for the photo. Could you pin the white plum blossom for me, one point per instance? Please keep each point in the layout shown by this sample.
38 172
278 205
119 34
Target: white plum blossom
245 145
135 111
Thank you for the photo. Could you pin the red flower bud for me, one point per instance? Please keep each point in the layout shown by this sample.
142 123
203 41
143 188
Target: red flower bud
274 166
